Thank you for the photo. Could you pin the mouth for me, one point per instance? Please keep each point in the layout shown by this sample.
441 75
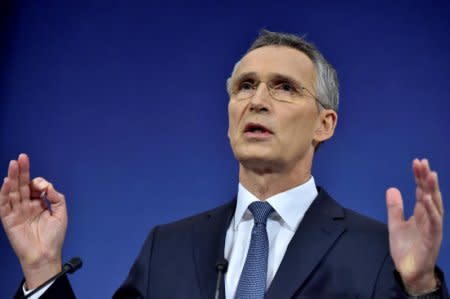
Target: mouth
255 130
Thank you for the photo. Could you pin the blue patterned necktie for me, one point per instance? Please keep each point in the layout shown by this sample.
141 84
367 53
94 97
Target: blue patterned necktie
252 283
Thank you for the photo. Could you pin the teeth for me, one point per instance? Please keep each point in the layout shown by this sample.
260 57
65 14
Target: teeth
257 130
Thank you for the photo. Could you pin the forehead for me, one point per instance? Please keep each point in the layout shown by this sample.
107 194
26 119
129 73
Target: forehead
277 60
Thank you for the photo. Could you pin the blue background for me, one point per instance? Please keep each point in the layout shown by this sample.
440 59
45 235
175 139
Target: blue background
122 105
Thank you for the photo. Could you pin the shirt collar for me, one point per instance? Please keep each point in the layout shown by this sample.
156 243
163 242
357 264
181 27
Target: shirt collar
290 205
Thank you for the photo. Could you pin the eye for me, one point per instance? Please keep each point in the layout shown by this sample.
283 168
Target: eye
285 87
246 85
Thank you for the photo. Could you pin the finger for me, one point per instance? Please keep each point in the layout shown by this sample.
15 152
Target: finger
24 176
5 205
424 171
434 218
13 175
38 185
394 205
57 202
421 170
418 166
420 213
429 183
54 196
39 188
13 182
419 194
435 193
4 192
36 194
416 170
426 165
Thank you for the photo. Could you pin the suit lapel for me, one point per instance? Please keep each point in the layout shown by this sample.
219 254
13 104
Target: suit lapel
209 242
320 228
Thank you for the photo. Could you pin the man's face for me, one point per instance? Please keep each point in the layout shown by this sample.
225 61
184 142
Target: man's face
266 132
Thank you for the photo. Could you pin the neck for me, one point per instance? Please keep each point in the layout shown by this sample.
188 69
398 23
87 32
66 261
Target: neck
264 183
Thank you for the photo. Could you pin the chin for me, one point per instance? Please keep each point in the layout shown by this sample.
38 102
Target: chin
255 159
245 152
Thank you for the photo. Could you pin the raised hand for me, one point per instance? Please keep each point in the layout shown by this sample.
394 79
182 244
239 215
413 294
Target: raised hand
415 243
35 232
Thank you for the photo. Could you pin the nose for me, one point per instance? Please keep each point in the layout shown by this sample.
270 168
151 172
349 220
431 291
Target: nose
261 99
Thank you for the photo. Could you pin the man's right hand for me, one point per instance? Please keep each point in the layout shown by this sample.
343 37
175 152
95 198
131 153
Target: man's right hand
36 233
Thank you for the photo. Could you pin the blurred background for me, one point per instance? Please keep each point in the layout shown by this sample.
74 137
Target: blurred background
122 105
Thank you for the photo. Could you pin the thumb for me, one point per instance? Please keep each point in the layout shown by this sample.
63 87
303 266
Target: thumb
394 205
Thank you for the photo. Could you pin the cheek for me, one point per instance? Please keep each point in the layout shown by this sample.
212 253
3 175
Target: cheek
231 120
233 117
301 126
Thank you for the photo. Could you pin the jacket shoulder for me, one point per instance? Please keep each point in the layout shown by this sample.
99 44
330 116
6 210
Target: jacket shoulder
224 211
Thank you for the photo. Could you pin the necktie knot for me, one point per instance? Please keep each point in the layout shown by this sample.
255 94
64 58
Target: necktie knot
260 211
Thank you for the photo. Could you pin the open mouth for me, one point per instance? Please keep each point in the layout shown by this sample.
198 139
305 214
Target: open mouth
256 129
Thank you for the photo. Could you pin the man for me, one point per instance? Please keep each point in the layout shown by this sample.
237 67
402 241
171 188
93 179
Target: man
282 236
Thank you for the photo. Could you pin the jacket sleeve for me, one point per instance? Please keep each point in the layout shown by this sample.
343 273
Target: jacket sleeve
389 283
444 290
59 289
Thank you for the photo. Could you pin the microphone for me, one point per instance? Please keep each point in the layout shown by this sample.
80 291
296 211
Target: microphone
221 268
71 266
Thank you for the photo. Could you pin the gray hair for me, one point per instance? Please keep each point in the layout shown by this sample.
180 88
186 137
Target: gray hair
327 84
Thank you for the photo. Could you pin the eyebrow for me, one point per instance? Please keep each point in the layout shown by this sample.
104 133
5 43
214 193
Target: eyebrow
244 76
272 76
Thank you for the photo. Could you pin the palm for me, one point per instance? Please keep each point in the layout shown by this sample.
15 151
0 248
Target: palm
409 242
34 233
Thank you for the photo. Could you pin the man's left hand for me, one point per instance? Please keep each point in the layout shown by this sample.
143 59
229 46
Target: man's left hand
415 243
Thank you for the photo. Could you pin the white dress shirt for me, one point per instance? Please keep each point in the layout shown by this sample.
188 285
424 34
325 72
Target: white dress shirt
290 207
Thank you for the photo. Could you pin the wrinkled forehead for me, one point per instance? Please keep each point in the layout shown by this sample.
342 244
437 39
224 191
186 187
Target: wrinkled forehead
277 60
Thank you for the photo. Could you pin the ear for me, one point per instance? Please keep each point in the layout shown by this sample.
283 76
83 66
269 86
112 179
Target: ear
326 124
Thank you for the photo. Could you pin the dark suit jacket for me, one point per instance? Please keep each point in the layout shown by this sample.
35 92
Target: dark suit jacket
335 253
